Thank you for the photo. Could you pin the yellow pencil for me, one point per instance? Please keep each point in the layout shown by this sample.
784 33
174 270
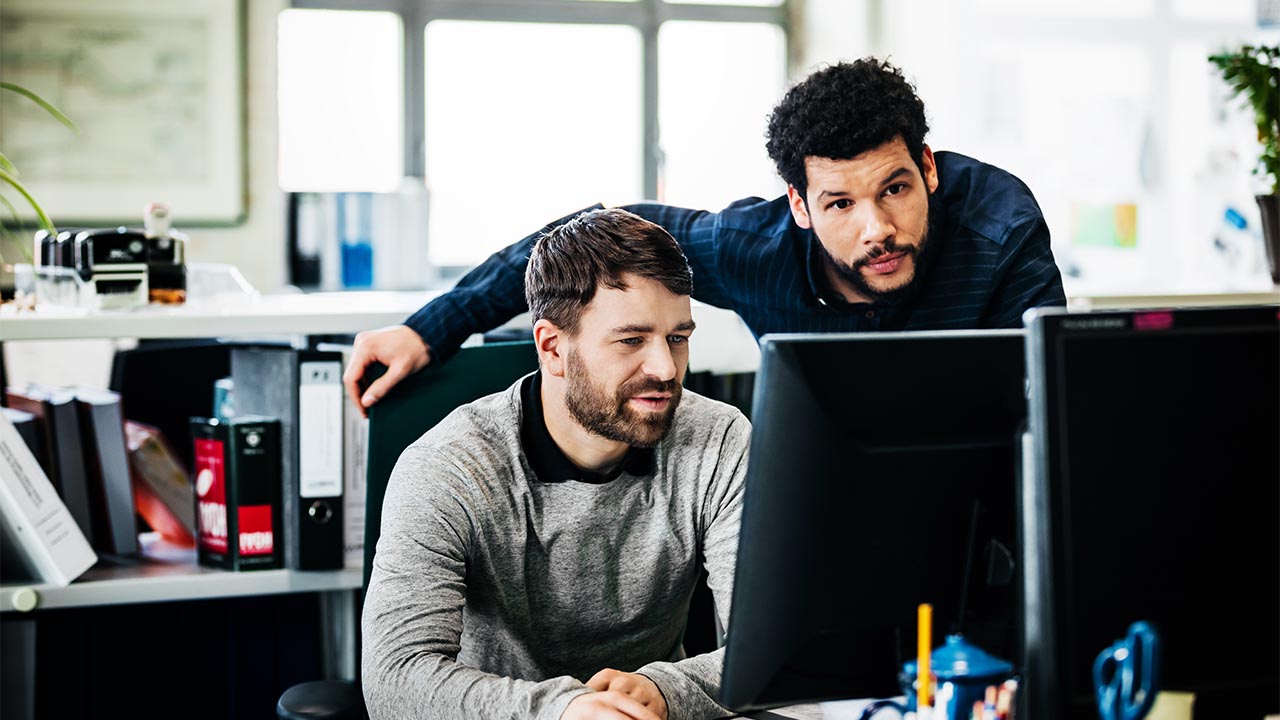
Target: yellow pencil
924 645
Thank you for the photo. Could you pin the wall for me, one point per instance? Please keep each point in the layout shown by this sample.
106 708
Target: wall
834 30
257 247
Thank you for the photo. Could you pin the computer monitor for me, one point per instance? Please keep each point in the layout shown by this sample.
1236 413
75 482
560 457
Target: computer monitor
1155 496
882 475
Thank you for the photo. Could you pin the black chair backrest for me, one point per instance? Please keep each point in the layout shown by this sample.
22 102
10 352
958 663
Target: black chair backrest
423 399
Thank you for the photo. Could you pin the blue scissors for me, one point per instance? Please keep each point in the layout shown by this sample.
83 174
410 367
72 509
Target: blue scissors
1126 676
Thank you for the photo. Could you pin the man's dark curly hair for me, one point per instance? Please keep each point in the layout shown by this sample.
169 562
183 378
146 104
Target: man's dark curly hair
842 111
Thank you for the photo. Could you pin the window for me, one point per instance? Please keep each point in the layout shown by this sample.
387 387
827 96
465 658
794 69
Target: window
335 70
719 83
520 130
516 113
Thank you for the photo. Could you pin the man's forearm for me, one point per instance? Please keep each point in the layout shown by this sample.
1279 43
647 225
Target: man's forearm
689 686
432 686
483 299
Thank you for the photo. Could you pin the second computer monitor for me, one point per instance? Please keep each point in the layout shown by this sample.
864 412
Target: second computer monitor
1155 497
882 475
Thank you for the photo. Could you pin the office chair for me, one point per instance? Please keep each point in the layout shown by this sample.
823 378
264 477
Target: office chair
413 407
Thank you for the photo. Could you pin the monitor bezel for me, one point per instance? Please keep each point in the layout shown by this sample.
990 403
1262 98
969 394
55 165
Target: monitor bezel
1040 693
771 345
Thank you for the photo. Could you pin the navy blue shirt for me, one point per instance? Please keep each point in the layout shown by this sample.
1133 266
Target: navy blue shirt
987 262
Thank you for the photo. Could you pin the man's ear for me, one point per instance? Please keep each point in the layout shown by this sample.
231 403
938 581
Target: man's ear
546 340
930 169
799 210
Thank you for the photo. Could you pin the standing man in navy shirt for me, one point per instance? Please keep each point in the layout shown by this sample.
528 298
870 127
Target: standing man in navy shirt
876 232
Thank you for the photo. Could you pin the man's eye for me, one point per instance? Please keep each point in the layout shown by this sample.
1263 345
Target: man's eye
895 188
841 204
632 341
677 339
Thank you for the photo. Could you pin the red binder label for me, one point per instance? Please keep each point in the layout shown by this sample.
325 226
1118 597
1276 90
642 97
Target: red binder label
211 494
256 537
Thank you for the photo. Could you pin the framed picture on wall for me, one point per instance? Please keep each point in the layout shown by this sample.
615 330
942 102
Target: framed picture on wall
157 90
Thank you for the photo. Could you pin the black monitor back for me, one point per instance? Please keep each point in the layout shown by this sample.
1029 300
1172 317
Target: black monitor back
882 475
1157 497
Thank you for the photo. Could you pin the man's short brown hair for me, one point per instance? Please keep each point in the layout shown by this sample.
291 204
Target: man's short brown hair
597 248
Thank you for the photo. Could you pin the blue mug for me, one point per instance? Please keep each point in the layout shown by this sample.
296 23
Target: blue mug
964 673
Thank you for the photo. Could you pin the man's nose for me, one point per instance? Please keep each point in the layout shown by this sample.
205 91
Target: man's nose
659 362
877 228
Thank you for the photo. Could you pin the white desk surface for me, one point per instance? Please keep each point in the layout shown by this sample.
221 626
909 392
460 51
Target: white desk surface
843 710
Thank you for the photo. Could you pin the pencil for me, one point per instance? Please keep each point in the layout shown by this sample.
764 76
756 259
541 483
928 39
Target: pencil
924 645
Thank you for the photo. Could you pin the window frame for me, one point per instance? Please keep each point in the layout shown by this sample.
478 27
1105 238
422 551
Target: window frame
646 16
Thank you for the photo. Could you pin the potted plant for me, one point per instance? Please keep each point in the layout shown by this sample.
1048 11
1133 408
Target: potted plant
1253 71
9 176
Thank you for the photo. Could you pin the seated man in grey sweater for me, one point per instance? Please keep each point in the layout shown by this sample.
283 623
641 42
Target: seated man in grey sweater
539 546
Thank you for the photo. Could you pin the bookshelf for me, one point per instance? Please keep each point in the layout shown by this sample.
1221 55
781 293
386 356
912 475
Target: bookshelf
167 575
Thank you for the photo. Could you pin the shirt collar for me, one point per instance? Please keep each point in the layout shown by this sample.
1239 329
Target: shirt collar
549 462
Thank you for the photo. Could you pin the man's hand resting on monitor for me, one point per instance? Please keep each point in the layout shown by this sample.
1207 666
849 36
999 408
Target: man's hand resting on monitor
608 705
398 347
634 685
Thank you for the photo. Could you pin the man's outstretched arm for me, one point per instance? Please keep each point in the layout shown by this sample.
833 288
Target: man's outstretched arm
1029 276
493 293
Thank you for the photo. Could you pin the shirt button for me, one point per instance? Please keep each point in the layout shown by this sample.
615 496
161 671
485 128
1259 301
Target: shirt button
871 314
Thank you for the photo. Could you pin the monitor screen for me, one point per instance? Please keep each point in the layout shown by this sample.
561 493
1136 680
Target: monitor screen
882 475
1158 441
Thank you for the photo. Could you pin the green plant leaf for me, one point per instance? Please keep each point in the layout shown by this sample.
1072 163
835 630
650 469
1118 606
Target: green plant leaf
13 211
45 222
1252 73
7 166
55 112
10 236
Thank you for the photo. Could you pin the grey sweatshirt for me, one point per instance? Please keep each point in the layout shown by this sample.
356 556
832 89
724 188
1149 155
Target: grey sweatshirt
494 595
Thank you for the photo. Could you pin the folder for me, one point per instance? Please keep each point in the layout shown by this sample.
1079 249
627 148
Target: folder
237 479
106 462
303 390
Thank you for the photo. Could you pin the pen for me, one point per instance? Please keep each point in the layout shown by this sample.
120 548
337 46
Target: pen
924 645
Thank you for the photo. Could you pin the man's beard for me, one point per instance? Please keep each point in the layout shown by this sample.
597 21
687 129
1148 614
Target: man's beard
852 273
612 417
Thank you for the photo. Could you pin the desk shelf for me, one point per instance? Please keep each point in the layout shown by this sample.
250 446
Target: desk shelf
162 581
311 314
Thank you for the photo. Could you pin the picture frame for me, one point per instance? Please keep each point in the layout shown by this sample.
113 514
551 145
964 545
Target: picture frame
157 90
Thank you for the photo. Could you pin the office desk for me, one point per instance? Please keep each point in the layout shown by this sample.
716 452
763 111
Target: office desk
843 710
